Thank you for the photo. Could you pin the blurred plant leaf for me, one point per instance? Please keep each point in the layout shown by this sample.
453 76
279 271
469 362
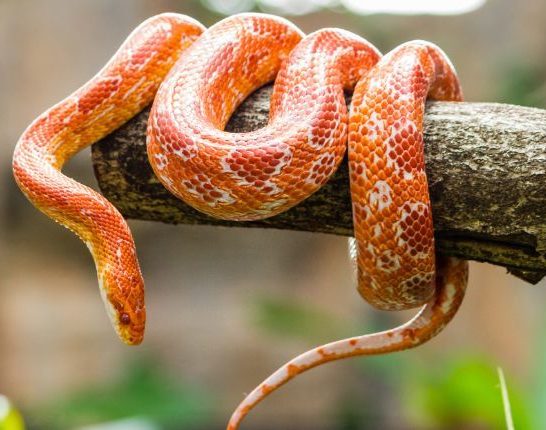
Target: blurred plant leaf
144 391
462 393
539 382
290 318
10 418
523 84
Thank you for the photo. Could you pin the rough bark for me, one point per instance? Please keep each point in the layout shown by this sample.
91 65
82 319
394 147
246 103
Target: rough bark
486 165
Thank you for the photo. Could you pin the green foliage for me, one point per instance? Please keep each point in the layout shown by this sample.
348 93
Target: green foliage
289 318
463 392
523 84
538 399
143 392
10 418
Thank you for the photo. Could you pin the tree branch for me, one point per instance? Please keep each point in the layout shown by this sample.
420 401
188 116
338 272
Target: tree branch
486 165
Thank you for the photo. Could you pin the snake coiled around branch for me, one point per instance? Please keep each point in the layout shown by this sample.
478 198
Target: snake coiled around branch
196 79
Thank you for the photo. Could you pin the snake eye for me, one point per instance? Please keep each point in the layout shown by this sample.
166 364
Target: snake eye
124 318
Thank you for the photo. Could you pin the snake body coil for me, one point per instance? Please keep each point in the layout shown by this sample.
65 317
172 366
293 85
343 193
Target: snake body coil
200 79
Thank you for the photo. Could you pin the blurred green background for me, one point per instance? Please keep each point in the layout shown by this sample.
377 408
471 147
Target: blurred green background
228 306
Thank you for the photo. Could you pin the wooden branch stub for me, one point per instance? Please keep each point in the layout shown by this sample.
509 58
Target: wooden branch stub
486 165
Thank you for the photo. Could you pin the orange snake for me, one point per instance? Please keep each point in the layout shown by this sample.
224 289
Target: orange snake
200 78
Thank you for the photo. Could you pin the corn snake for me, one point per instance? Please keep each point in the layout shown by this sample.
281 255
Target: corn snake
197 79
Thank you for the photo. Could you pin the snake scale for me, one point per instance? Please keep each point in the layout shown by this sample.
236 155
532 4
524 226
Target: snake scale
196 78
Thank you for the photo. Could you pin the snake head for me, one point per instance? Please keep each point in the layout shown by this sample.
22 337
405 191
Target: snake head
129 323
122 287
124 300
